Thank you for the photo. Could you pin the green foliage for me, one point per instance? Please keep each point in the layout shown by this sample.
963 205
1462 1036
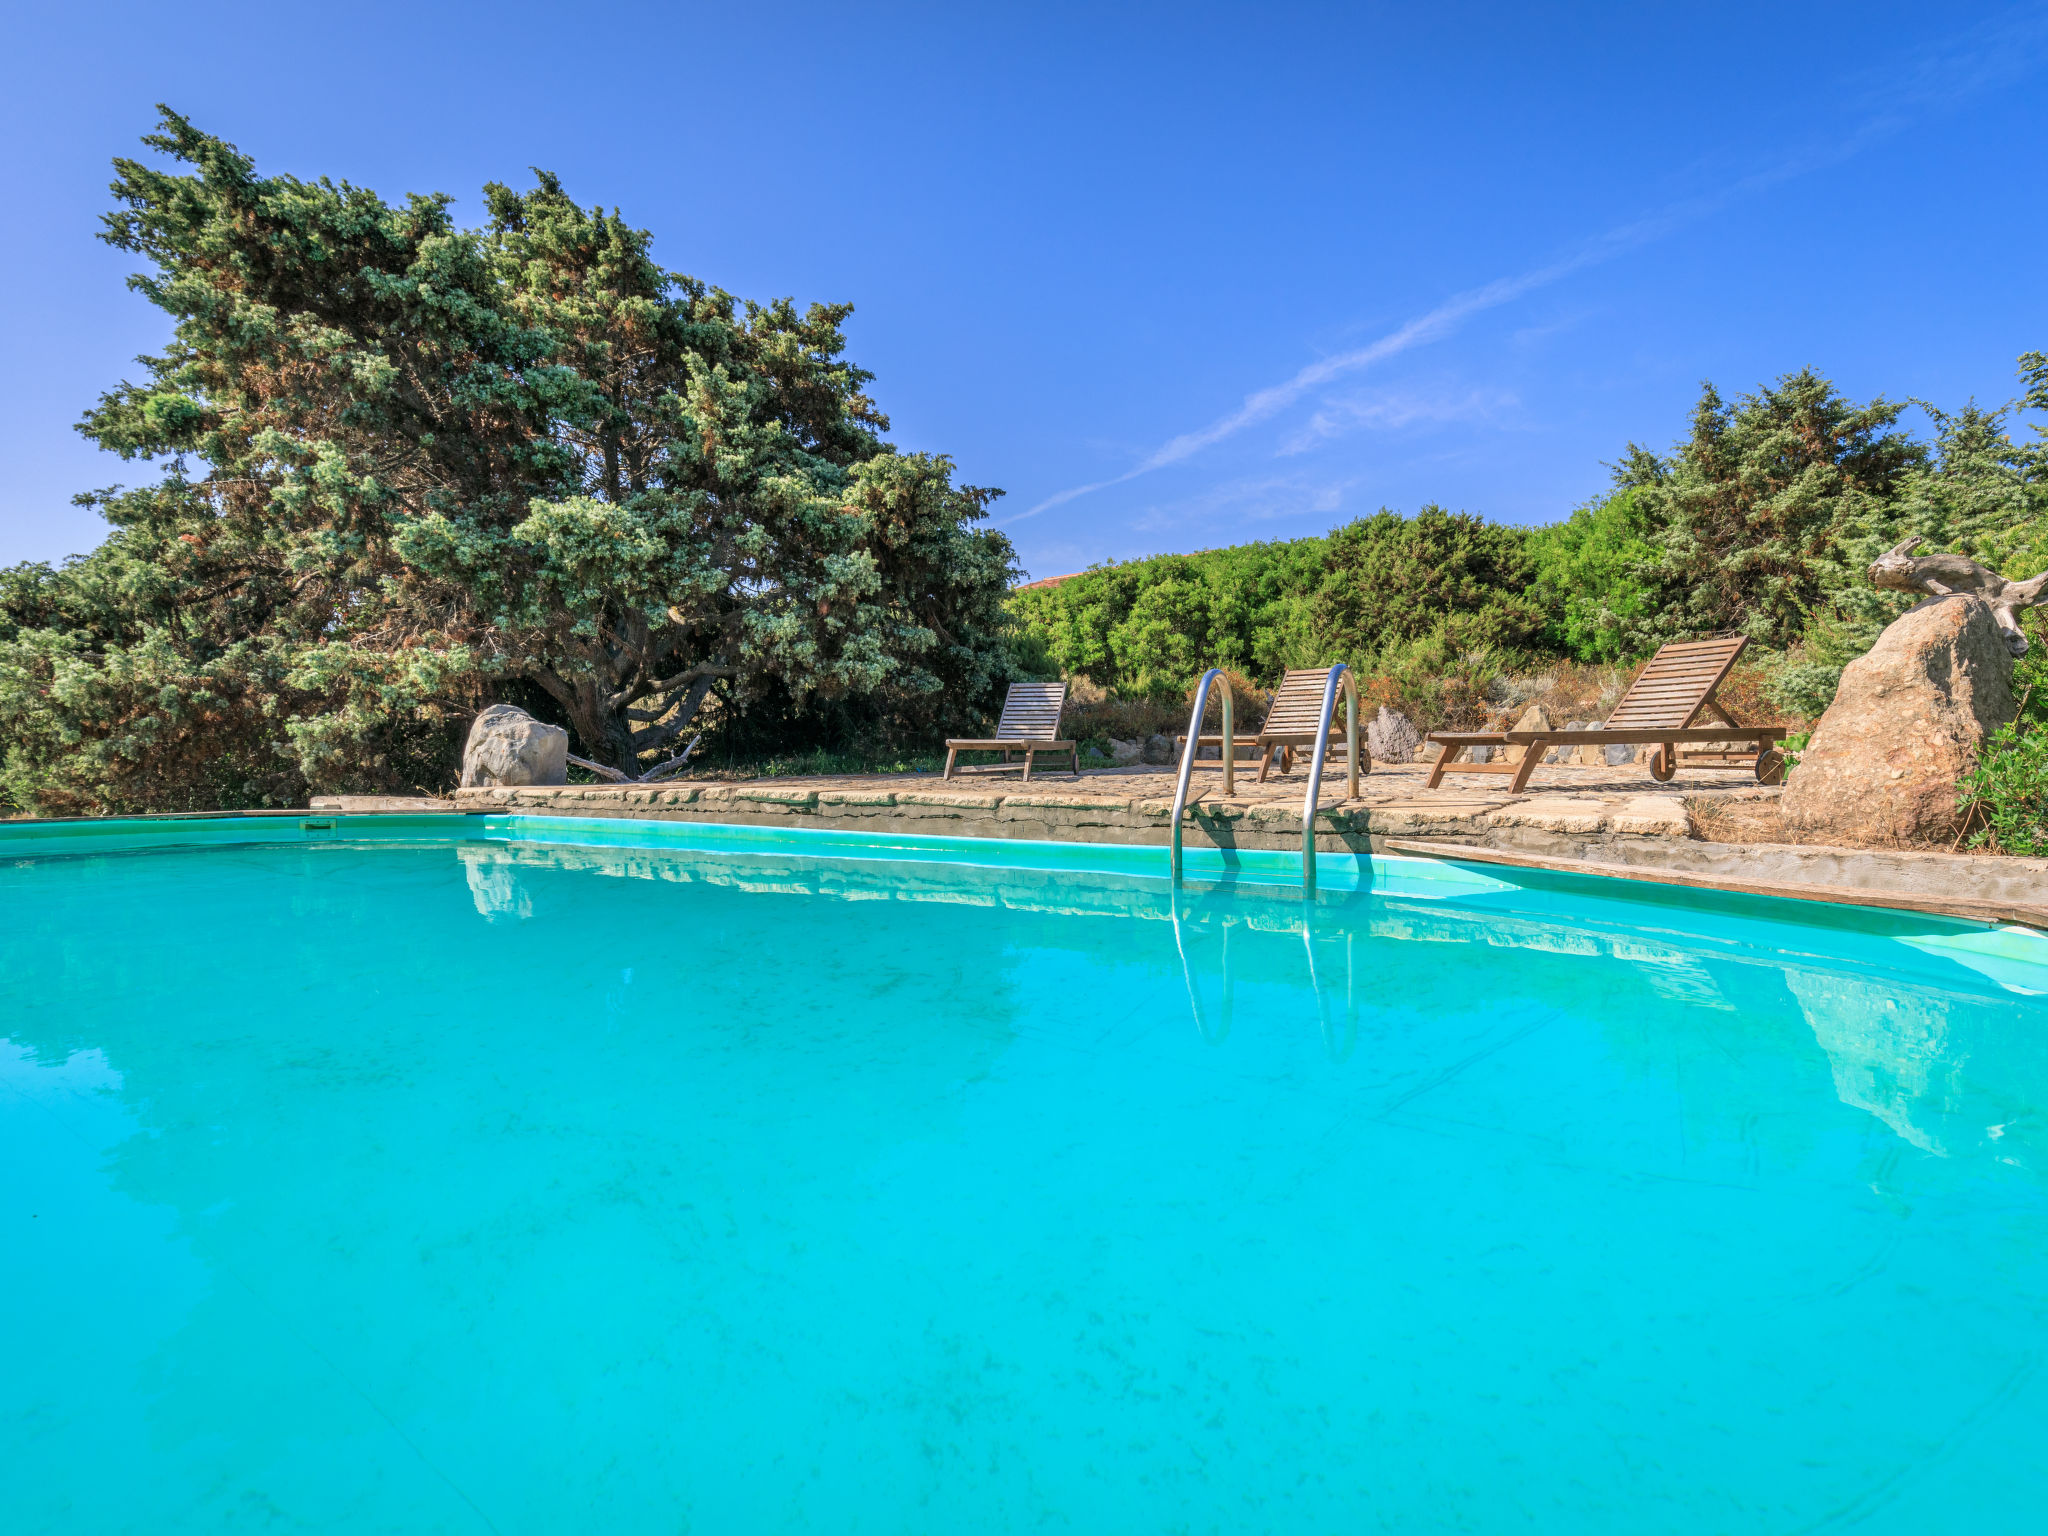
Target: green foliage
433 462
1246 607
2005 796
1804 680
2009 789
1148 628
1756 513
1593 576
1976 492
1391 579
1982 494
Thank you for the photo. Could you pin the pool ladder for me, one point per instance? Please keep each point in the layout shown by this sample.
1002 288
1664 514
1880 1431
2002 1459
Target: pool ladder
1339 674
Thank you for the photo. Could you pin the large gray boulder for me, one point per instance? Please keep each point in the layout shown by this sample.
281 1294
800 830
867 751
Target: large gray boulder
1157 751
1392 737
507 746
1905 726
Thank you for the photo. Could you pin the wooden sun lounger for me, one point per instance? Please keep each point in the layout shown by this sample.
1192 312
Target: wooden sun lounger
1662 708
1292 720
1030 724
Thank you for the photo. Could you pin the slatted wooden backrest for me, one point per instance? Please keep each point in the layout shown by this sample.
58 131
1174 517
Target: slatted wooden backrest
1031 712
1298 705
1675 686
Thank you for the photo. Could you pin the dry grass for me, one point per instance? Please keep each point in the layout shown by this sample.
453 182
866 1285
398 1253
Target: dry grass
1743 694
1095 718
1729 819
1579 691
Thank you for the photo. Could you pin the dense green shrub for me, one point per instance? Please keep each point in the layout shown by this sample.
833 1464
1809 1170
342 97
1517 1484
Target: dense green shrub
2004 799
1595 577
2008 791
1803 679
1147 628
1389 579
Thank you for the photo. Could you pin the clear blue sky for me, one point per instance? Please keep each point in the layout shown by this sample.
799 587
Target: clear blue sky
1248 271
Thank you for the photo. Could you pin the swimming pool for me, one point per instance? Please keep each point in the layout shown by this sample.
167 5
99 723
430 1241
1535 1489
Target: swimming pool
527 1175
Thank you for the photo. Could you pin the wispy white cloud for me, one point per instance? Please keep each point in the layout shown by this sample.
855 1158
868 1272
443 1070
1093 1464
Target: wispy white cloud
1557 325
1995 53
1426 327
1253 498
1999 51
1269 402
1391 410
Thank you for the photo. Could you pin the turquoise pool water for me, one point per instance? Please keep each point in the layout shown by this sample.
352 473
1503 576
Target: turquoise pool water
561 1177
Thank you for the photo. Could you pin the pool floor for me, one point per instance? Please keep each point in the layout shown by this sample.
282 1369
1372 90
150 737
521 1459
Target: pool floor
508 1185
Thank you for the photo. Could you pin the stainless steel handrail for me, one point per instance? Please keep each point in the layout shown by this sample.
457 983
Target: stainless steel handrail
1187 758
1338 673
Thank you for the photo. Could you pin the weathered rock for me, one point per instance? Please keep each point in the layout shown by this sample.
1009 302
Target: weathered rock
1585 757
1125 752
1532 719
1906 723
1392 737
508 746
1158 750
1565 754
1614 755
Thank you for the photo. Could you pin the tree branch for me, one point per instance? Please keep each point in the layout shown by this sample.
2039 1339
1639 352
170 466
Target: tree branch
685 713
658 771
698 674
611 775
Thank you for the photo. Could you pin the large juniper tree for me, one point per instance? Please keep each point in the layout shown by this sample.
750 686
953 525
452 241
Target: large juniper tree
405 461
1762 508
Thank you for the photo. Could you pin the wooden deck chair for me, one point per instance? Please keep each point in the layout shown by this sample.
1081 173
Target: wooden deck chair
1030 724
1662 708
1296 712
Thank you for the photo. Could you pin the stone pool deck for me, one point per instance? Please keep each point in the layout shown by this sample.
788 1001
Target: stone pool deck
1132 805
1615 821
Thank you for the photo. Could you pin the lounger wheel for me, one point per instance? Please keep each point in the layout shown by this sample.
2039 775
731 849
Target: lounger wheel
1770 766
1664 763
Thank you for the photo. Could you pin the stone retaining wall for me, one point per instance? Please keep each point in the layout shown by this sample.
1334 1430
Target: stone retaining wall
1644 831
945 812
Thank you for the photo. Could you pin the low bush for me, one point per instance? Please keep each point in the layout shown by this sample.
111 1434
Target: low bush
2004 799
1801 680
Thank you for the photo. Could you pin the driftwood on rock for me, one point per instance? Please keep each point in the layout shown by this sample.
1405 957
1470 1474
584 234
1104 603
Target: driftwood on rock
1900 570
